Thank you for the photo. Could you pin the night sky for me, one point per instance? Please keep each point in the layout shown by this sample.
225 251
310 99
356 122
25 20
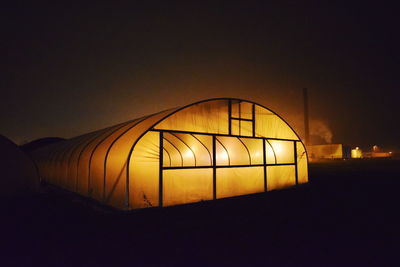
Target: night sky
67 69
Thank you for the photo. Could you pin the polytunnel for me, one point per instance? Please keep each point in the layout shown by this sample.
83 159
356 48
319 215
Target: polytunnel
212 149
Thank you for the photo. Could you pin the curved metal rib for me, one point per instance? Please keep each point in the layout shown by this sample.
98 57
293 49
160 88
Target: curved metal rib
209 153
194 155
248 152
273 150
180 154
227 153
169 156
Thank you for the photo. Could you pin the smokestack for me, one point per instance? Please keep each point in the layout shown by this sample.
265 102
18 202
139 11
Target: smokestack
306 126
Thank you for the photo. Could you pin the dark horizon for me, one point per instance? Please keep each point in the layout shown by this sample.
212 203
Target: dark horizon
68 70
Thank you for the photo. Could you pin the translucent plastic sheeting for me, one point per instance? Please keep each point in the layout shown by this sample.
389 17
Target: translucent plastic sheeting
78 155
181 147
222 154
280 176
144 172
246 128
237 151
86 164
284 151
246 110
270 125
202 153
71 167
206 117
235 106
269 153
187 186
95 156
172 157
255 149
116 161
239 181
241 109
235 130
193 145
302 165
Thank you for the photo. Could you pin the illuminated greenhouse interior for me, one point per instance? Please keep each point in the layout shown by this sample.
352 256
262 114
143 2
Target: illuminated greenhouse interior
207 150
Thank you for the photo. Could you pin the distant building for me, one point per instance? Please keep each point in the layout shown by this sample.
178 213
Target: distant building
328 151
356 153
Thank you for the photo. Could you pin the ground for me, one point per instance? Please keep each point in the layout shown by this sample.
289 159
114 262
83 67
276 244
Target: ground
347 215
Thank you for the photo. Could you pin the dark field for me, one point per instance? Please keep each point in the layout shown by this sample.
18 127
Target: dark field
348 215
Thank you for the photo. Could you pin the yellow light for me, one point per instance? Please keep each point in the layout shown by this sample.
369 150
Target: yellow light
278 148
222 156
188 153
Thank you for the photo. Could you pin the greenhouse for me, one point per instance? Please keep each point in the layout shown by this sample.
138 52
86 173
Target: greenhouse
207 150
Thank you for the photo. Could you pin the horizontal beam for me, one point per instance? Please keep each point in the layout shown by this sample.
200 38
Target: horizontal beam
228 135
239 119
226 166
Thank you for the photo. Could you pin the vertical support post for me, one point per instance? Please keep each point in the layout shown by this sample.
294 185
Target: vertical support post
265 166
160 182
240 118
295 161
214 151
230 117
253 118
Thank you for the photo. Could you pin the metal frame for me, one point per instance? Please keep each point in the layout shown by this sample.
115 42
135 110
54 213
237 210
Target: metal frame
219 134
214 165
151 128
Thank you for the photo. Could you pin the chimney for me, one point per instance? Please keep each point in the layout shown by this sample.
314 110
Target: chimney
306 126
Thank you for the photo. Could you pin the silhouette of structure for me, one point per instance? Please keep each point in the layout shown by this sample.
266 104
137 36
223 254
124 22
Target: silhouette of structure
19 175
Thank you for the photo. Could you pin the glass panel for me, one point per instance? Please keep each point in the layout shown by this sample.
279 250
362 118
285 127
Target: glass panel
239 181
187 186
280 177
284 151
